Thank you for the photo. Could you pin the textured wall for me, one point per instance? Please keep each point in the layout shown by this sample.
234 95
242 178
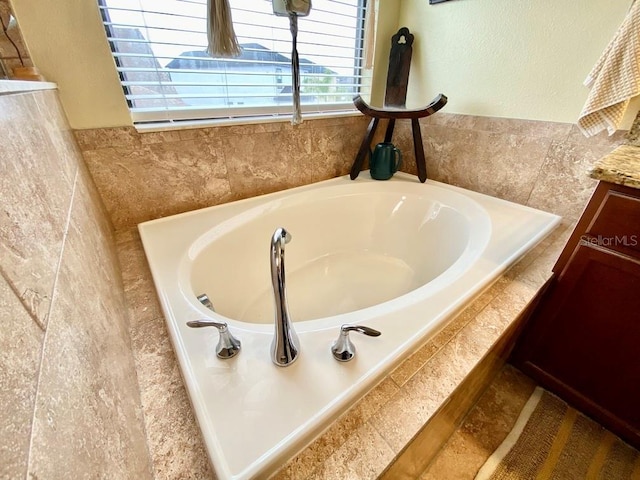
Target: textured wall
501 58
505 58
69 396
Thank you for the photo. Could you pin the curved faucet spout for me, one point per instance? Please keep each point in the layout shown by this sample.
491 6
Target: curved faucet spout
285 346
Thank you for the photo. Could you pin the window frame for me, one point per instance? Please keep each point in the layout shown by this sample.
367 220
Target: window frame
159 118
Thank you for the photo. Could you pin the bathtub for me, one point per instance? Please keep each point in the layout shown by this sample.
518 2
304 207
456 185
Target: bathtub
398 256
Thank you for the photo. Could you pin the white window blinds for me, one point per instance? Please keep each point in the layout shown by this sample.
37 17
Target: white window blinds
159 50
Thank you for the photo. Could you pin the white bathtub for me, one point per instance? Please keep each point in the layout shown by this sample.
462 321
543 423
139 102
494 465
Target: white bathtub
399 256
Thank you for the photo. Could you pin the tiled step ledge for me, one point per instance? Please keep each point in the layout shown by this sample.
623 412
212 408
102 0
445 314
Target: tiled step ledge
391 432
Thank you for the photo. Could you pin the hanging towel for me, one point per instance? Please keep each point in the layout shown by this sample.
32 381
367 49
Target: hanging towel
614 80
220 34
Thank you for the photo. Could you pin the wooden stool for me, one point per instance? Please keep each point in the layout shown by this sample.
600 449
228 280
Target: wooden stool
395 104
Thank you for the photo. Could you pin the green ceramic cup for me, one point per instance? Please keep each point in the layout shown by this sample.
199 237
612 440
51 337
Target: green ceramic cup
385 160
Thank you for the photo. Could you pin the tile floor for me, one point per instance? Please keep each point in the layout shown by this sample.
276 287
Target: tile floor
484 428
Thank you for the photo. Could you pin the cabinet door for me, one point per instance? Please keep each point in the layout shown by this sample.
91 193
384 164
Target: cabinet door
617 224
583 342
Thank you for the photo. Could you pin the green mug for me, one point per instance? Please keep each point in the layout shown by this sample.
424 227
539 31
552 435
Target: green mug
385 160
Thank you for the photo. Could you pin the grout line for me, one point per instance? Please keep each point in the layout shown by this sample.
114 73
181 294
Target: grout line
462 327
540 171
46 330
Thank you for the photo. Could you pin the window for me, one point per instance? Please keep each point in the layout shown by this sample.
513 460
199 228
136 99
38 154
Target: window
159 50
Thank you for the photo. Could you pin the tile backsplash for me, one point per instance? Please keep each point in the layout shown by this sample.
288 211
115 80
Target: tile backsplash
150 175
544 165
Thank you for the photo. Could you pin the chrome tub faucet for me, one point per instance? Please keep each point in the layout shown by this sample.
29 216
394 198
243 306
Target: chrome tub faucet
285 346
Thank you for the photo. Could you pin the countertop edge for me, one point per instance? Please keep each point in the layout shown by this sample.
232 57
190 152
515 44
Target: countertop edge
621 166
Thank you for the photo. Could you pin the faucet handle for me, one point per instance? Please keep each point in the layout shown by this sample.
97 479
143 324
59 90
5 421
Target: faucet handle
343 348
228 345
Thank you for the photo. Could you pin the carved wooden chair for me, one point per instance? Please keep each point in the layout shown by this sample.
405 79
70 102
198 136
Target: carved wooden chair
395 104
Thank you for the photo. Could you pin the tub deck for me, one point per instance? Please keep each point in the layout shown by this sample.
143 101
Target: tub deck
254 417
366 440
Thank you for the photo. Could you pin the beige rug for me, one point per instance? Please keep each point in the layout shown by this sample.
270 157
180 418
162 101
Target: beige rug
551 440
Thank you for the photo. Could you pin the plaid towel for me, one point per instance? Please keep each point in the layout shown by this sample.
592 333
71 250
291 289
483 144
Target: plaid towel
614 80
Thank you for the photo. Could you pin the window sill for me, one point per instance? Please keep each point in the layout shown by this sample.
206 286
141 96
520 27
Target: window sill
222 122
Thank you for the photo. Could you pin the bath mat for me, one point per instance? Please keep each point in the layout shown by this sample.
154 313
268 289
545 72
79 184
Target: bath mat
551 440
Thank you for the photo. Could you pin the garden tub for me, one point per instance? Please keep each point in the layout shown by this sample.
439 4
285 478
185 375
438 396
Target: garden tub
398 256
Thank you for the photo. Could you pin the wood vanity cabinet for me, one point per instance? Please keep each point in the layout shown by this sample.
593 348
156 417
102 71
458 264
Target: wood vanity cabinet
582 340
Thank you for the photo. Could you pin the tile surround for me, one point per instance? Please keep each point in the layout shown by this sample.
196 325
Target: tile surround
484 429
86 373
169 421
524 161
73 404
150 175
422 449
35 205
564 184
363 441
143 176
514 159
159 179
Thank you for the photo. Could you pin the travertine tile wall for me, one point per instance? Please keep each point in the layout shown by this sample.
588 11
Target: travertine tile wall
70 398
541 164
145 176
14 54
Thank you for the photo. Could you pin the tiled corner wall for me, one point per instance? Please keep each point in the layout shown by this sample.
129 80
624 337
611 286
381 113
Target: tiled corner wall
544 165
70 398
145 176
11 56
